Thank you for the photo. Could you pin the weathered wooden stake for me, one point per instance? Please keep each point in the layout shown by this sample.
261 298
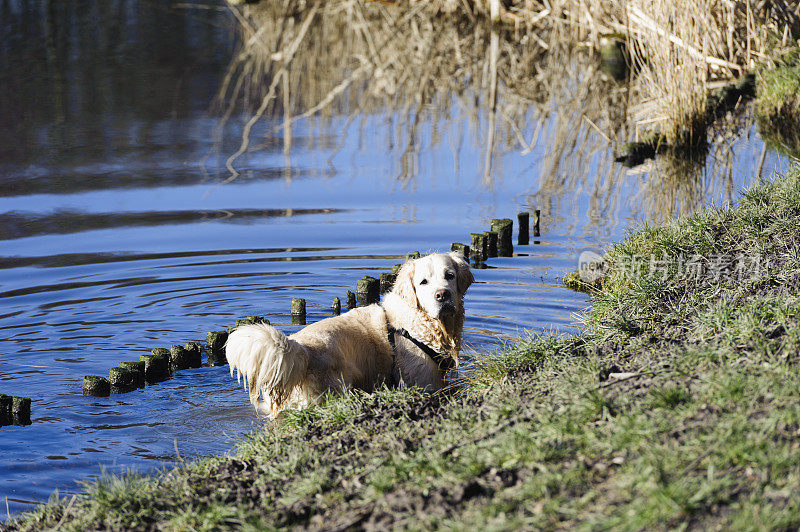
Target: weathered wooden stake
298 311
136 367
368 290
491 244
523 220
387 280
215 347
477 247
5 409
351 299
156 367
503 227
460 248
178 359
195 351
413 255
122 380
21 410
536 217
337 306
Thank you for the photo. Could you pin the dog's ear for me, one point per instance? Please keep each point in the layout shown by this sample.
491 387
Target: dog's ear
404 284
464 276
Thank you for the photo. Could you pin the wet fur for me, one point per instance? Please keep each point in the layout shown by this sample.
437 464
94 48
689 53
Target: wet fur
352 350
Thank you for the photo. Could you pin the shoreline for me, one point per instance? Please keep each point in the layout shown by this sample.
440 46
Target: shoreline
678 405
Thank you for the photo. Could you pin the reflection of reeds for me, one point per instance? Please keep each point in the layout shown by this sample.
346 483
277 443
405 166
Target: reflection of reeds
426 62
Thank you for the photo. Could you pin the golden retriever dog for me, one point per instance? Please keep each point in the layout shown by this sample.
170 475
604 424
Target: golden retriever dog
413 338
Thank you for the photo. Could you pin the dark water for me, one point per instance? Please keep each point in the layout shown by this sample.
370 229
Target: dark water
118 235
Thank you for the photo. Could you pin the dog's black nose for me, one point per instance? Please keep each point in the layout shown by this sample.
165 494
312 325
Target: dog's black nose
442 295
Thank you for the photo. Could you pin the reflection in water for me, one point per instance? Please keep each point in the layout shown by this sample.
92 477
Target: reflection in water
537 92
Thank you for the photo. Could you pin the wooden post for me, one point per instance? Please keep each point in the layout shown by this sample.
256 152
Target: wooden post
121 380
138 368
5 409
178 358
477 247
458 247
351 299
491 244
298 311
156 367
368 290
337 306
215 347
536 217
503 227
195 354
387 280
21 410
523 219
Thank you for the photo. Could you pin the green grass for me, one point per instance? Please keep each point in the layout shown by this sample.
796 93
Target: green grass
678 407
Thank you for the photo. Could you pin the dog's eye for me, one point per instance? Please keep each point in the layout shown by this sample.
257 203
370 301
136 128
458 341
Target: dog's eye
424 281
449 275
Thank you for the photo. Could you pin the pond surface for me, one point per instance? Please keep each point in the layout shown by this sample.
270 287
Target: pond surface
119 232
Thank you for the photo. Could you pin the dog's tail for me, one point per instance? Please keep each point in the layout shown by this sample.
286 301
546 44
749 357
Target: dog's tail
271 364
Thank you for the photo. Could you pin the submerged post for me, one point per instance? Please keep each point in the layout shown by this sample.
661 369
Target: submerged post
21 410
491 244
458 247
122 380
503 227
387 280
137 368
5 409
523 219
215 347
178 358
368 290
298 311
156 367
195 354
477 247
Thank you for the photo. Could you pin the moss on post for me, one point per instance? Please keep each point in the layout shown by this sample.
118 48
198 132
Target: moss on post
414 255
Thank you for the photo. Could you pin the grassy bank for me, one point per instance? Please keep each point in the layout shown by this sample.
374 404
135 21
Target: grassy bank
678 406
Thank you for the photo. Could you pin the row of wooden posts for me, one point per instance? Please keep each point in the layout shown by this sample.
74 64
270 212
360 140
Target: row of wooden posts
160 363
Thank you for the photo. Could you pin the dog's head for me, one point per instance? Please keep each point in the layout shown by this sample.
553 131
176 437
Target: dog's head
435 283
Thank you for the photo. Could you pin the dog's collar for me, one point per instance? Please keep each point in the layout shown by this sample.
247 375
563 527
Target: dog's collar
444 362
